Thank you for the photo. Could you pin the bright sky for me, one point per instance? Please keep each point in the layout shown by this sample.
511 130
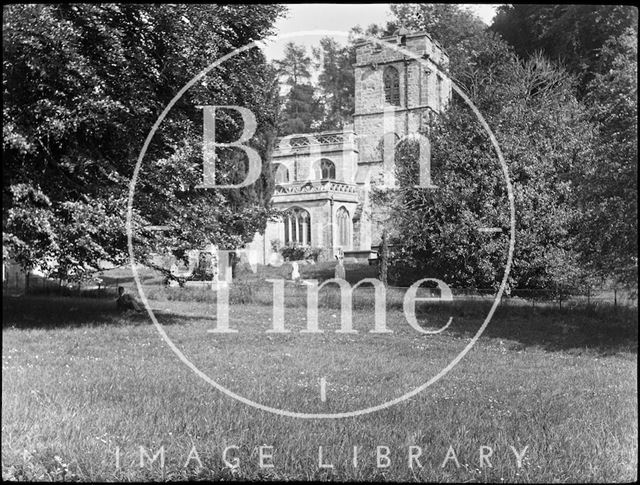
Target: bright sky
340 17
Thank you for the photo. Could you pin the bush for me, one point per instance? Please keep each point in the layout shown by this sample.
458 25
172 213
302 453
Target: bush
276 245
296 252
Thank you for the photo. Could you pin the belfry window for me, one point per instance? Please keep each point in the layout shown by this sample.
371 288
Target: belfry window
297 226
391 79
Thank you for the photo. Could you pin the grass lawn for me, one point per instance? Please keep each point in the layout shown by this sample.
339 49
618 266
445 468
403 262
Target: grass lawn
85 386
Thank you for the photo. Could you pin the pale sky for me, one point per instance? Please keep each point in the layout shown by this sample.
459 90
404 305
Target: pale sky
340 17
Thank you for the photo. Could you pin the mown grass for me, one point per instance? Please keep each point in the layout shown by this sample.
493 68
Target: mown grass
81 381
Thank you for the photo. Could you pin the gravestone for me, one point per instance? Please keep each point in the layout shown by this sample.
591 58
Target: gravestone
295 273
339 272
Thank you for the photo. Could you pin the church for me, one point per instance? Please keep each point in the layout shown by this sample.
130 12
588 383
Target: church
323 180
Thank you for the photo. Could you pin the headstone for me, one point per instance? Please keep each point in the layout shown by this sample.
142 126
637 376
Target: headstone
295 273
339 270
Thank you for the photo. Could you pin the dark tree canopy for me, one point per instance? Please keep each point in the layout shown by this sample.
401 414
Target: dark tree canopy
572 34
543 133
336 82
83 85
302 110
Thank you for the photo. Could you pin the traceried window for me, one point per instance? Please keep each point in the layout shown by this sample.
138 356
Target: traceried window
327 169
281 174
297 226
391 79
344 227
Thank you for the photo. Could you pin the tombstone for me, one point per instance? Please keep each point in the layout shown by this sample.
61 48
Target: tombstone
295 273
339 271
193 257
219 280
276 260
212 249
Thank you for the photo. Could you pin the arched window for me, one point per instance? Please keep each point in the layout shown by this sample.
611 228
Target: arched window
327 169
281 174
387 147
391 79
344 227
297 226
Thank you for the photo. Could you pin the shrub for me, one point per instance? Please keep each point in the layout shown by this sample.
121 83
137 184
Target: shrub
296 252
276 245
314 253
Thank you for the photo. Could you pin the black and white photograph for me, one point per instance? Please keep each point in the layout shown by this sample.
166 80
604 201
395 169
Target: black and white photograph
384 242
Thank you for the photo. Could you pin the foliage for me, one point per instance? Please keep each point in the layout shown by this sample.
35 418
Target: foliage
301 110
297 252
573 34
336 82
598 43
607 184
83 84
296 64
447 23
276 244
543 133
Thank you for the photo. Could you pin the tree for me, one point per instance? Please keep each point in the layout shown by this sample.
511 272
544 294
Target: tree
598 43
459 31
447 23
606 228
301 111
295 65
543 132
572 34
83 84
336 82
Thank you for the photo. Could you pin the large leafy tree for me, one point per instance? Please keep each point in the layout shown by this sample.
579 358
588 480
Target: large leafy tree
302 110
543 132
606 228
449 24
572 34
336 82
82 86
598 44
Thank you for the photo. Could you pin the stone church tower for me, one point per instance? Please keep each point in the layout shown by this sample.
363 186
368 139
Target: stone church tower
395 96
408 90
323 179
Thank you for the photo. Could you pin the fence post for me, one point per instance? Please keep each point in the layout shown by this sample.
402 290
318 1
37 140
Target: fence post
615 298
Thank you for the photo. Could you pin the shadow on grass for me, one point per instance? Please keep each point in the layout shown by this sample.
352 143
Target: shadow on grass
604 330
41 312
